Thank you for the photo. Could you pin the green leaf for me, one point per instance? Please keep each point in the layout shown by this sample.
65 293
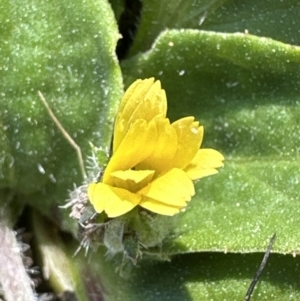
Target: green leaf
118 8
65 49
245 91
56 259
199 276
270 18
55 263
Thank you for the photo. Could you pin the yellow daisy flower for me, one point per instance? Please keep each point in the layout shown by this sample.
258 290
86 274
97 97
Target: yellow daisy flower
154 162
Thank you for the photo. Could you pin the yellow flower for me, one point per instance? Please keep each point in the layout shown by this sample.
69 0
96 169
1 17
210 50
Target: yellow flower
154 162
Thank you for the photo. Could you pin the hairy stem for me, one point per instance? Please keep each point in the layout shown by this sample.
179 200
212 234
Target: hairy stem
13 278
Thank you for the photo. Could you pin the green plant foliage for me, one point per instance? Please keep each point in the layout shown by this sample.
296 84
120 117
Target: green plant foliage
198 276
66 50
244 90
232 65
269 18
57 262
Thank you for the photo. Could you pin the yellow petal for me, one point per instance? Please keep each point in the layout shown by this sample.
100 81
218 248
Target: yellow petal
141 85
144 99
132 180
158 207
165 149
137 145
174 188
204 164
114 201
189 136
95 196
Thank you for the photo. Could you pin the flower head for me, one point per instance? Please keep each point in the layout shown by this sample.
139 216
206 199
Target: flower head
154 162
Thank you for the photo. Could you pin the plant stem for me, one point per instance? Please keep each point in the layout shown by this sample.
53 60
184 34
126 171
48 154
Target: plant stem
15 282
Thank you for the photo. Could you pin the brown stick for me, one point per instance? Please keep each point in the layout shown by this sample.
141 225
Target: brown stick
65 134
